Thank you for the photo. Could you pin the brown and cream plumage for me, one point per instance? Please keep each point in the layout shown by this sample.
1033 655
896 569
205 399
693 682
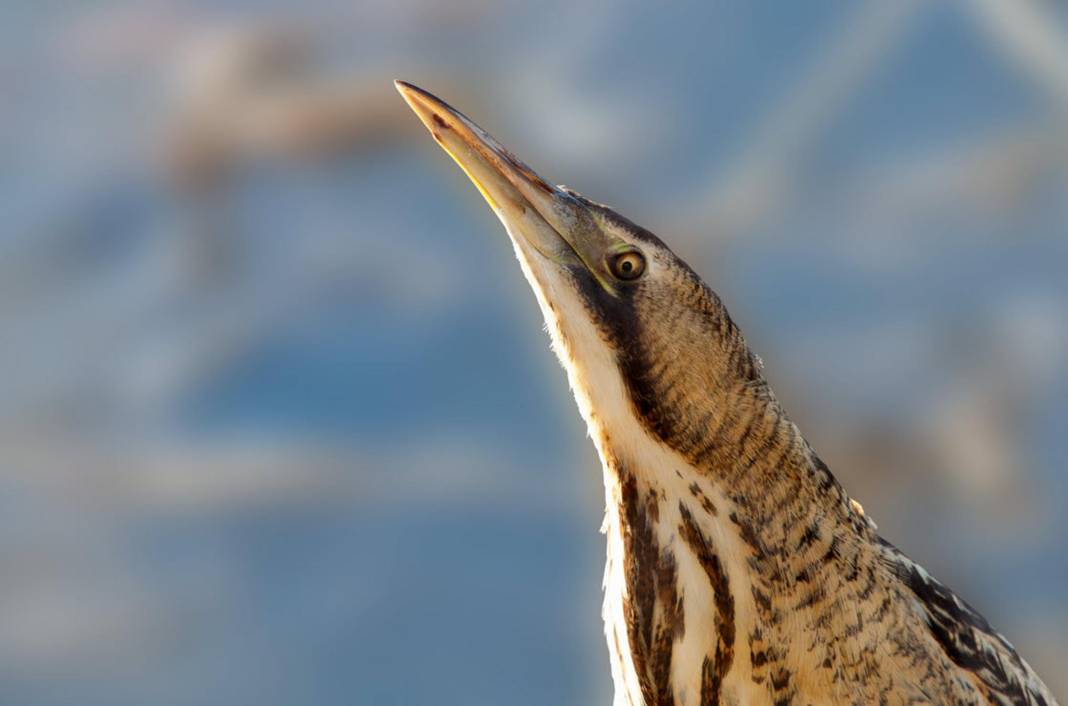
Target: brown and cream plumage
739 571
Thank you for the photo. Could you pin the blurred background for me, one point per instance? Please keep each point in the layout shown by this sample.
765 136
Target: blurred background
278 420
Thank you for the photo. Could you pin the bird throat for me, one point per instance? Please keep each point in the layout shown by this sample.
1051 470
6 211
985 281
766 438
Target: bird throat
691 583
696 555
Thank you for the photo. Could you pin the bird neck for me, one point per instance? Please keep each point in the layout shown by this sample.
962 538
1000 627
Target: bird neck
708 550
734 445
718 515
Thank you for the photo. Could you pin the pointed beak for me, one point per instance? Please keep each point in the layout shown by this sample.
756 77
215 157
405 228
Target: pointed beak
535 213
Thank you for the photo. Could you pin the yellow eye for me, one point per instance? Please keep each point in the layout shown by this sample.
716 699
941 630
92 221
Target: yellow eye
627 265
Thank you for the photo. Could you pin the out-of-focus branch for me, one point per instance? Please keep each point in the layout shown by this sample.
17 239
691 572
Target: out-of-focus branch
756 185
1029 34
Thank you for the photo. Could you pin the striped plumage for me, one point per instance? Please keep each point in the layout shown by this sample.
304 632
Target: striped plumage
739 571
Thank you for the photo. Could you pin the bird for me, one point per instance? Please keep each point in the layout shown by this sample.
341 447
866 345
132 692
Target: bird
739 571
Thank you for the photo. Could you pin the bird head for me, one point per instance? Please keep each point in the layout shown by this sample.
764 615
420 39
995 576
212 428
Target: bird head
639 333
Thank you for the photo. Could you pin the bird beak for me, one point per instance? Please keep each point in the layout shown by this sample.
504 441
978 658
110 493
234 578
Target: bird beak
534 212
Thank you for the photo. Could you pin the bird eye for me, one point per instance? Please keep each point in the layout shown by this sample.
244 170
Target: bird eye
627 265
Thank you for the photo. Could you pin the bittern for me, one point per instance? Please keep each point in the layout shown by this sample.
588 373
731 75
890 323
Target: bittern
739 571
